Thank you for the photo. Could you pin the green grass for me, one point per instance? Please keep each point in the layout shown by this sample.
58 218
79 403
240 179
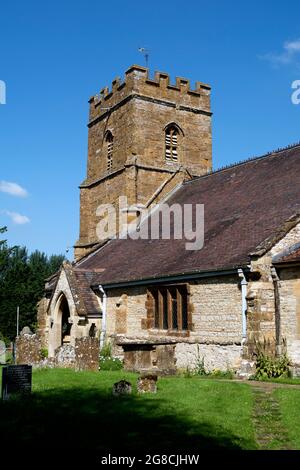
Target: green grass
289 402
271 432
186 414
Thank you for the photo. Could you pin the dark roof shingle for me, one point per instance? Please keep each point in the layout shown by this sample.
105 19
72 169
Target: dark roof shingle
244 205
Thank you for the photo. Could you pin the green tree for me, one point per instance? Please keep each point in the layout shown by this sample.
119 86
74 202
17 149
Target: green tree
5 252
22 279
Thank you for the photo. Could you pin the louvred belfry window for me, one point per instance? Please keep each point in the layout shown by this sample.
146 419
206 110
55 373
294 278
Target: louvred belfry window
171 144
110 147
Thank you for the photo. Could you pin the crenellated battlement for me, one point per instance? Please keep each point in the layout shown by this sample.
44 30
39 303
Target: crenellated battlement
129 154
137 82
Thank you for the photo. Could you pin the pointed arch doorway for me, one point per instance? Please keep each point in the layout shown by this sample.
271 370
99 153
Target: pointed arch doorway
62 327
65 326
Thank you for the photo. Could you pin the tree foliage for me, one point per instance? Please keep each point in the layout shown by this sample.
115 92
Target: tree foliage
22 280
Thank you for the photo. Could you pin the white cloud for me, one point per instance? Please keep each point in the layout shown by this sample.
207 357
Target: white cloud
292 46
17 218
12 188
289 55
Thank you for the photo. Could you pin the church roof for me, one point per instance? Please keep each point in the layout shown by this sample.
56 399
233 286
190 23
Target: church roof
247 208
88 297
85 299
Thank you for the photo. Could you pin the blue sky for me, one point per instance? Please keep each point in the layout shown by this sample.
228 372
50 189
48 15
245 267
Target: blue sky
55 55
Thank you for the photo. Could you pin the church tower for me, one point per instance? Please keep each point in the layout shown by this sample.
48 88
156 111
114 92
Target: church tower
145 137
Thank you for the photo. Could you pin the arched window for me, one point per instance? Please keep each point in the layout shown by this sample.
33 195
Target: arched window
171 144
109 141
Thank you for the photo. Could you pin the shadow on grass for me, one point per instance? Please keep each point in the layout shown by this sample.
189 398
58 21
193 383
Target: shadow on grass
77 418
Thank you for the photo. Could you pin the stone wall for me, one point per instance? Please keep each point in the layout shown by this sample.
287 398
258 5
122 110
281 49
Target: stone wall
261 327
43 331
215 356
217 310
216 305
262 303
126 310
140 109
216 318
167 358
289 289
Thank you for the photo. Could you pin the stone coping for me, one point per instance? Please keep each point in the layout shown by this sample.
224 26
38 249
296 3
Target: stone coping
156 340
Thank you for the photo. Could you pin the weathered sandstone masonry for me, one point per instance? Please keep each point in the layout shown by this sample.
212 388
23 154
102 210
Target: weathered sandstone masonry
66 316
136 113
83 356
215 328
162 306
273 301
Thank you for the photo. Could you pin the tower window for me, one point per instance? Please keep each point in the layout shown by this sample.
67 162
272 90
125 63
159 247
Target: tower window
171 142
109 140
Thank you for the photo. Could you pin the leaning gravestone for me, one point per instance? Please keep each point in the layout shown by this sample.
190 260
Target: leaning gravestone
16 380
26 331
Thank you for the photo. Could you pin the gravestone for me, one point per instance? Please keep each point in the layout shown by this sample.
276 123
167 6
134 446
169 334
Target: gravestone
16 380
26 331
122 388
147 383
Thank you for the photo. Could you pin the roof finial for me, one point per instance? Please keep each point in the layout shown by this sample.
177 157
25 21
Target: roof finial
145 52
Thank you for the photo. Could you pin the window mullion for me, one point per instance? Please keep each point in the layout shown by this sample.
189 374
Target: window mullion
179 309
160 310
169 303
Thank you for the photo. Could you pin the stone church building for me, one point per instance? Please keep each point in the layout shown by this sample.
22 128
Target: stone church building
160 305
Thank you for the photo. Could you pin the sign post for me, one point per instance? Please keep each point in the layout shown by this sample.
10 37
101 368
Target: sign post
18 318
2 352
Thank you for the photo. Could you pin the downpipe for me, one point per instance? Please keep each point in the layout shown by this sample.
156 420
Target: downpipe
103 327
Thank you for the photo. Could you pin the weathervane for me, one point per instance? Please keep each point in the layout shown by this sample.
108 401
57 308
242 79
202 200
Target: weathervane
145 52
